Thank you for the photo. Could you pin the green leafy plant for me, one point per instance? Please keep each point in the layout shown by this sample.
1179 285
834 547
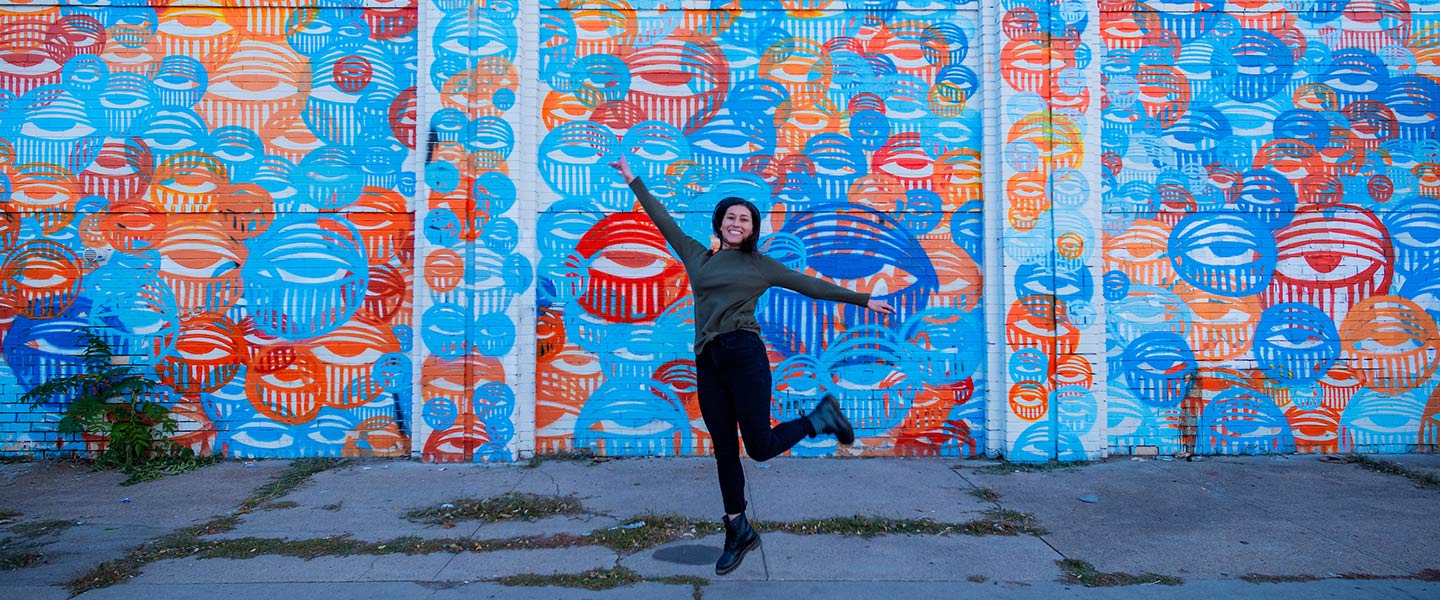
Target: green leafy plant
112 399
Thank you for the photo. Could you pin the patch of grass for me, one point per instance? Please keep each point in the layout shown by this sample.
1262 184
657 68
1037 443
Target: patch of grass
986 494
977 579
1084 573
594 579
576 455
332 507
1007 468
10 561
9 514
996 522
12 459
300 471
534 542
1430 575
104 575
43 528
862 526
1422 479
214 526
1004 522
651 530
522 507
1262 578
242 548
161 466
281 505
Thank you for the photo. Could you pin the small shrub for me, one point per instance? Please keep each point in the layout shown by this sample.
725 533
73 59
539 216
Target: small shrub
113 401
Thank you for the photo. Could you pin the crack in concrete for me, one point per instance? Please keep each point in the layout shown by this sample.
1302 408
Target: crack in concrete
370 569
1001 506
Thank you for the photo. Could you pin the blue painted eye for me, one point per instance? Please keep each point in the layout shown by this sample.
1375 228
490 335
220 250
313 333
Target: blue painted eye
1228 254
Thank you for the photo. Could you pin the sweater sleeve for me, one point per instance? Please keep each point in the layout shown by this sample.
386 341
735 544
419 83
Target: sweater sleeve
781 276
684 245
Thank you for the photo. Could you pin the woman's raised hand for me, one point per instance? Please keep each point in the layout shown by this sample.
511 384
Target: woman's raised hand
880 306
624 169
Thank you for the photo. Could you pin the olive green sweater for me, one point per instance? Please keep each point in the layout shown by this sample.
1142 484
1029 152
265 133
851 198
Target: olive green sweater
727 283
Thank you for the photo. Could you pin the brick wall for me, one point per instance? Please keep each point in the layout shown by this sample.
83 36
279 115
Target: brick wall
225 194
387 228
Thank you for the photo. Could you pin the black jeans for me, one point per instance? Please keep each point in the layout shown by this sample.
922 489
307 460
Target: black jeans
733 375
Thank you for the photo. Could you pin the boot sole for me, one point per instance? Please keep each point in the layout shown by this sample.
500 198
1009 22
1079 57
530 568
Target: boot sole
846 435
741 559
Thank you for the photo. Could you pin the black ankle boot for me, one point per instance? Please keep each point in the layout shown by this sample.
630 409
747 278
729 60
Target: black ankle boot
827 418
739 539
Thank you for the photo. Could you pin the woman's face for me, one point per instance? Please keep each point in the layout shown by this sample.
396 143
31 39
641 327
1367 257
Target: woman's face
735 226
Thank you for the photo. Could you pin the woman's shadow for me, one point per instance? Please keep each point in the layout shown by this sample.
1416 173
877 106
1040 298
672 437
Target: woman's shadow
688 554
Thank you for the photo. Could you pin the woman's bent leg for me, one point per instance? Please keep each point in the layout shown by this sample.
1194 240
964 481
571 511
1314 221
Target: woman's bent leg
750 387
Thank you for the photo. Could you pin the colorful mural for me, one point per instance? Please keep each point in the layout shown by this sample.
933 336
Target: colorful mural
473 264
1218 223
1053 329
853 125
1271 225
222 192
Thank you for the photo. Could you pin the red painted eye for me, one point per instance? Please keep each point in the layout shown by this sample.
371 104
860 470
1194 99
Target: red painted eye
352 73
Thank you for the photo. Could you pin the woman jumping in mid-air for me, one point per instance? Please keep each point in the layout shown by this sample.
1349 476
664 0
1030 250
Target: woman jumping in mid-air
732 367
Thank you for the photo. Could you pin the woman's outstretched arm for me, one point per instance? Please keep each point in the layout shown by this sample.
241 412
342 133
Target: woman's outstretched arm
781 276
684 245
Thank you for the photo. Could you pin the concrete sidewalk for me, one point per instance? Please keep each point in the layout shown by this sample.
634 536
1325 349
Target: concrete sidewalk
1254 527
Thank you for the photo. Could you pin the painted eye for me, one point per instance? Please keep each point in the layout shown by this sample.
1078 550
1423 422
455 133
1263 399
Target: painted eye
809 120
573 153
631 261
730 140
201 350
1381 414
1417 230
865 375
61 128
489 46
1219 313
1293 341
1219 254
310 276
263 433
671 82
1140 312
1134 251
657 153
346 354
124 101
1383 344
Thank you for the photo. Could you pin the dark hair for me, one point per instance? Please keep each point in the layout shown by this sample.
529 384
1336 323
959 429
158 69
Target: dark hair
748 244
